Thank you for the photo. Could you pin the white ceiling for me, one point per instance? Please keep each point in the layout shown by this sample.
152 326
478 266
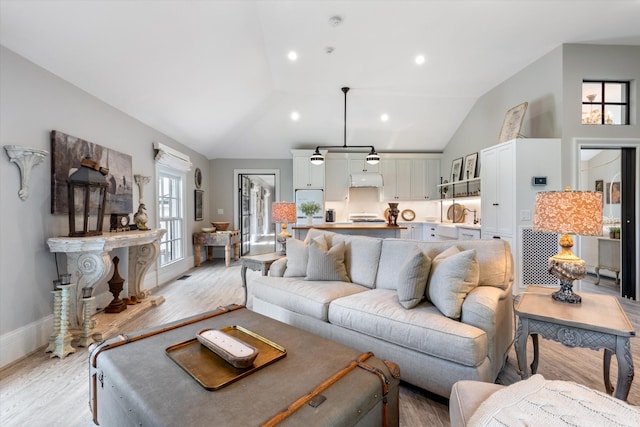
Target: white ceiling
214 75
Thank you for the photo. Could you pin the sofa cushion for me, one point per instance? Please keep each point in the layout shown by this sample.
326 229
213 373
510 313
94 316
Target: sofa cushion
394 253
298 256
412 279
378 313
326 264
301 296
362 256
451 279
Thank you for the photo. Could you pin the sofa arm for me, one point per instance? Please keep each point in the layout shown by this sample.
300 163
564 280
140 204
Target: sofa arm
278 268
491 309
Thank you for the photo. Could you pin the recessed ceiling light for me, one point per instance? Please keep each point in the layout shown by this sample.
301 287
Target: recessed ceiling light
295 116
419 59
384 117
293 55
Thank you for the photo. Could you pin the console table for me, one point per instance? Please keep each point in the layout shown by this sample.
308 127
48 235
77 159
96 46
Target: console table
598 322
220 238
89 262
608 257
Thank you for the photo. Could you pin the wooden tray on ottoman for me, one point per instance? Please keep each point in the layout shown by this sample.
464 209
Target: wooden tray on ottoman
213 372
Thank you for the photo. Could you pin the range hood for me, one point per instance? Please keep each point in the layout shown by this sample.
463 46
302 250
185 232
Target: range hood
366 180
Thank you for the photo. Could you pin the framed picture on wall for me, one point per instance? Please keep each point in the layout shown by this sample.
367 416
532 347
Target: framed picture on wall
198 204
470 166
456 169
599 186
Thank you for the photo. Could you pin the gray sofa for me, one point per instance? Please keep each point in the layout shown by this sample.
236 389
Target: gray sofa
390 296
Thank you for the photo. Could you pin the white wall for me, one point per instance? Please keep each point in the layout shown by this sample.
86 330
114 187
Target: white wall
32 103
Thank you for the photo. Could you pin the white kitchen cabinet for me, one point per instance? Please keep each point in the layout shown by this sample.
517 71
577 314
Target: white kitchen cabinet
306 174
507 190
396 174
430 231
425 175
337 177
361 166
414 230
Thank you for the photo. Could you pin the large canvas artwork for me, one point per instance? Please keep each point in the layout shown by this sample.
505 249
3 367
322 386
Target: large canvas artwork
66 154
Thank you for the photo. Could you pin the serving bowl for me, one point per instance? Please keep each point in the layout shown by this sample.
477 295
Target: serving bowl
221 226
208 229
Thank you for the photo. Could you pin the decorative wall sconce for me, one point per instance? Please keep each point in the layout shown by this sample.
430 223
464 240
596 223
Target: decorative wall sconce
26 158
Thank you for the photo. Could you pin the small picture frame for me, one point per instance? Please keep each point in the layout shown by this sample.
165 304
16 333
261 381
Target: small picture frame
198 196
456 170
470 166
599 186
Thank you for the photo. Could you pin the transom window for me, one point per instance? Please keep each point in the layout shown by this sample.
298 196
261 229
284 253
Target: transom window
171 216
605 102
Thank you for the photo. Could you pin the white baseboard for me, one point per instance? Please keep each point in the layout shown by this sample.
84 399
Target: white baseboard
21 342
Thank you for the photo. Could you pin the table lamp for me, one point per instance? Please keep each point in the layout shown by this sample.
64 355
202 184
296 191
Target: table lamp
568 212
284 213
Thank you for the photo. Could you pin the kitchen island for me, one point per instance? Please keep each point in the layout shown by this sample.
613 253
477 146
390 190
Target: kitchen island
381 230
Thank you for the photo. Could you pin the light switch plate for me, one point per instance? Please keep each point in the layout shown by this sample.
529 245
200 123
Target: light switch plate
525 215
220 211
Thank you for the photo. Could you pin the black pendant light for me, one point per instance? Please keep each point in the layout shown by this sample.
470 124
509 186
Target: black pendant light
372 158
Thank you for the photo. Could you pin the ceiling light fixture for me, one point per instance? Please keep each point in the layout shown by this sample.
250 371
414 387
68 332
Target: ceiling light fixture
295 116
384 117
372 158
420 59
292 55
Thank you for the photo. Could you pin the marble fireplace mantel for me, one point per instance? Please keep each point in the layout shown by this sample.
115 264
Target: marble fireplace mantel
89 262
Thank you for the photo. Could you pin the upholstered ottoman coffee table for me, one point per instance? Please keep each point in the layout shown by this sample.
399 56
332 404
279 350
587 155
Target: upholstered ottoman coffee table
137 380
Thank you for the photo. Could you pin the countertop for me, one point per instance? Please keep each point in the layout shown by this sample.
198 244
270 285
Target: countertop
353 226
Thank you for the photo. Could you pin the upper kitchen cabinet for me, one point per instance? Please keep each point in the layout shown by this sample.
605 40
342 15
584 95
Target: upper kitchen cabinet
305 174
361 166
425 175
397 179
337 177
410 176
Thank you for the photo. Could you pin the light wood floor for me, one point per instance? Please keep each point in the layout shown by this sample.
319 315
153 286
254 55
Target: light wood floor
39 391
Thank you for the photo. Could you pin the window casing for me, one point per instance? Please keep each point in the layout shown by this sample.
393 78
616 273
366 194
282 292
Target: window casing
605 102
171 215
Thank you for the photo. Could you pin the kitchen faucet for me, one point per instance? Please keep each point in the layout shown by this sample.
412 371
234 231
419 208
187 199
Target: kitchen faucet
475 219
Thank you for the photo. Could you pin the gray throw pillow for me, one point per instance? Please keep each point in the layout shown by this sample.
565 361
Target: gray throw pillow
326 264
412 279
451 280
298 256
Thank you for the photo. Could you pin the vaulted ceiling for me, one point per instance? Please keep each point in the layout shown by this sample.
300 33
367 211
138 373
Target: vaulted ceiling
215 76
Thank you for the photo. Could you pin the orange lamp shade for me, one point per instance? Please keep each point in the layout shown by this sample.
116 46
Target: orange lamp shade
283 212
569 212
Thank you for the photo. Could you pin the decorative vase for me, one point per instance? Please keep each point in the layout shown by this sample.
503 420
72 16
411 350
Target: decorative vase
140 218
310 219
393 214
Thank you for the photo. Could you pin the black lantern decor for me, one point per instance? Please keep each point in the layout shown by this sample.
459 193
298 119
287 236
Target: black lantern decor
87 196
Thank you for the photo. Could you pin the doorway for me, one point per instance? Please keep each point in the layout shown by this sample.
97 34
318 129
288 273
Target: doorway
255 191
612 170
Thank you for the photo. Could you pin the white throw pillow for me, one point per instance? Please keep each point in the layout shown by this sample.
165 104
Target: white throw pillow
412 279
298 256
451 279
326 264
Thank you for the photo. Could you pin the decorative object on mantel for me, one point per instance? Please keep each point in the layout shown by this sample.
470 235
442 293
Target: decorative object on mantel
393 214
310 209
575 212
66 154
87 190
284 213
408 215
140 218
513 123
116 284
25 158
372 158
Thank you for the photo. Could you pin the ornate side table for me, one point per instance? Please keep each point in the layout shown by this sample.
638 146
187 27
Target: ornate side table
599 322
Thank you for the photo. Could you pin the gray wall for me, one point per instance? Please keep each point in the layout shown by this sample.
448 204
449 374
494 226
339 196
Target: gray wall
32 103
540 84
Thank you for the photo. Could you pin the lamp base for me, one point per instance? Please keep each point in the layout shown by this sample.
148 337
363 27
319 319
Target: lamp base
565 294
